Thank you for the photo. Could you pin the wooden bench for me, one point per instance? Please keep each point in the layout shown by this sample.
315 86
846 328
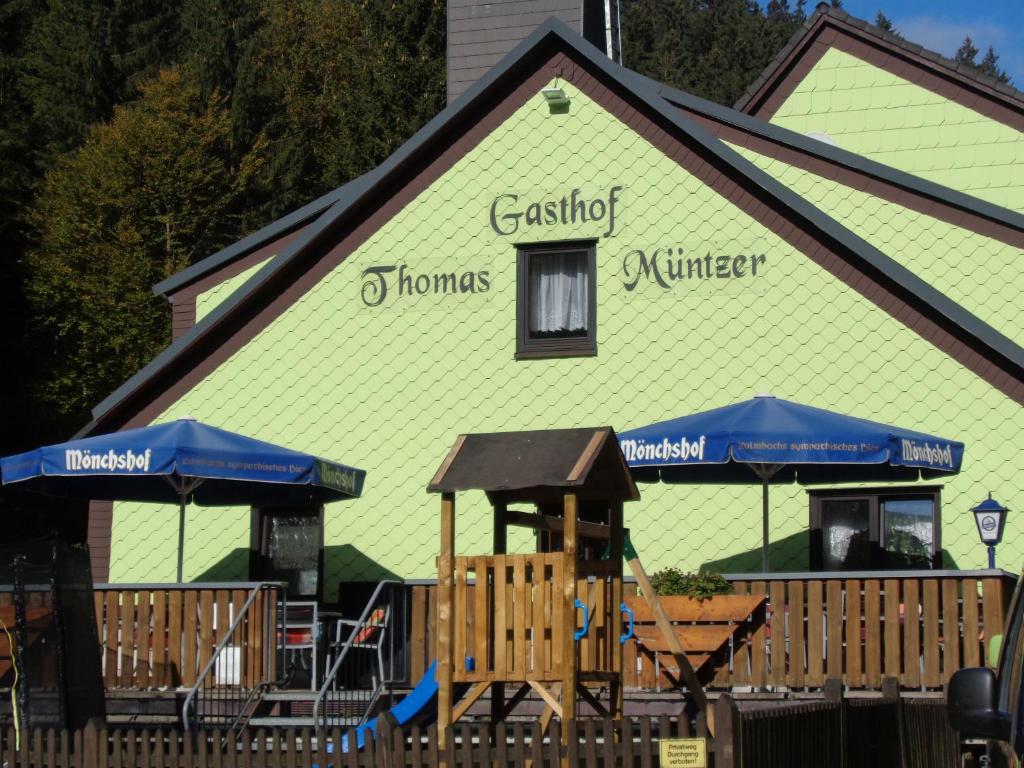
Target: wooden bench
704 628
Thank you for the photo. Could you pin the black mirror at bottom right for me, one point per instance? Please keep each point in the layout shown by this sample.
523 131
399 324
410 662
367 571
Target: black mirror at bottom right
973 697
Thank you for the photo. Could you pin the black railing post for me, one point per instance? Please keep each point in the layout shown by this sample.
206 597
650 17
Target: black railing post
833 691
728 753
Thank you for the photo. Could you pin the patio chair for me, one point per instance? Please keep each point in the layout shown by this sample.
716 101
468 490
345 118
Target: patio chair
369 636
300 638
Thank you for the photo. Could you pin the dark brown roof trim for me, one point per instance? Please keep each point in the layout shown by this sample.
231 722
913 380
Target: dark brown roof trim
551 50
183 315
849 168
97 537
250 243
217 274
829 27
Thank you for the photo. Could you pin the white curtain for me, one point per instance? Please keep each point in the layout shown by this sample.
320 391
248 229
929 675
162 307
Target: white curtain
558 292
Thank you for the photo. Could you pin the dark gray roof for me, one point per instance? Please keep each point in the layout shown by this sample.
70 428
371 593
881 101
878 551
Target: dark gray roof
550 458
464 110
833 154
251 242
824 11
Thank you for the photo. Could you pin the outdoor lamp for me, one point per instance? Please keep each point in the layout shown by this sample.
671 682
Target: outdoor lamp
557 101
990 517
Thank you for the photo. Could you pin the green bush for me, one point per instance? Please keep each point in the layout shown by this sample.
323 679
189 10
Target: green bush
700 586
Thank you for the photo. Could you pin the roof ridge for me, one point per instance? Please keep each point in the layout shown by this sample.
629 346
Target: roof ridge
826 11
829 229
844 157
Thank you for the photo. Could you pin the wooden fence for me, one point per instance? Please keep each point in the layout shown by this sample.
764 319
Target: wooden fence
591 744
156 635
919 627
881 732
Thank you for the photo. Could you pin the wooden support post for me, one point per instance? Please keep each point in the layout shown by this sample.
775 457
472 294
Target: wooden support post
569 670
469 700
500 548
615 553
550 697
665 626
500 528
445 620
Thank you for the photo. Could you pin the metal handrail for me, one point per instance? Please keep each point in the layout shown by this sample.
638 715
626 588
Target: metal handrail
360 622
127 586
194 690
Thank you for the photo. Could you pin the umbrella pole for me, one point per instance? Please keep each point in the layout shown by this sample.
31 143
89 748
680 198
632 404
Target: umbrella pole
766 472
765 565
181 536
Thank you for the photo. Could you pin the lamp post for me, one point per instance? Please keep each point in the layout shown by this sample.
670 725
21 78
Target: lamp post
990 517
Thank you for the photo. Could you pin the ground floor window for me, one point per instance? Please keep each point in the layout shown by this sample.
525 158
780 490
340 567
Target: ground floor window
556 312
875 528
288 545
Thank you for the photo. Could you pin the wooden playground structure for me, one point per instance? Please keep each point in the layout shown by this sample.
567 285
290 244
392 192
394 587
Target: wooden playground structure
552 622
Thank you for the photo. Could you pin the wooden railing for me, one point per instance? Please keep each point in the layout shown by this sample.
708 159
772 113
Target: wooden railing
164 635
508 619
916 626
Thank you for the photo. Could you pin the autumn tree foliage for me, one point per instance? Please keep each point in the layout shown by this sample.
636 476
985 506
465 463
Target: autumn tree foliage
144 196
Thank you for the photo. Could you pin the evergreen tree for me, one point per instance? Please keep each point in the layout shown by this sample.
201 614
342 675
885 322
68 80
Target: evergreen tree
69 78
215 36
989 65
337 87
885 24
967 54
84 56
147 194
692 45
17 175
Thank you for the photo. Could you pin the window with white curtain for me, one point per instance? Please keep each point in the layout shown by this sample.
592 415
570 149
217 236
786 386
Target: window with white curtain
555 301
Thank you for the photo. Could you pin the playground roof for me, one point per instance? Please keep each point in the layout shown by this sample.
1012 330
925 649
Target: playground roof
523 465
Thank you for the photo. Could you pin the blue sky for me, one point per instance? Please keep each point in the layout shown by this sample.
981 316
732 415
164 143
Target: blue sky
941 25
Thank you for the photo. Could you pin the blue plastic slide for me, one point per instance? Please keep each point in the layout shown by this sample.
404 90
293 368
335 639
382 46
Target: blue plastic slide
408 709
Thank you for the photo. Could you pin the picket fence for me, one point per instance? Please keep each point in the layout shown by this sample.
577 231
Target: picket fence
590 744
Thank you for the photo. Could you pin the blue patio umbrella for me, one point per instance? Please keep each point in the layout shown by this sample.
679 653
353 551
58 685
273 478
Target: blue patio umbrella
778 441
181 461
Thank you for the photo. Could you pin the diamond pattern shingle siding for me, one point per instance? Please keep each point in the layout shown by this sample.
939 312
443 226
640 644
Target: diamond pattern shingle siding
209 299
888 119
980 273
388 388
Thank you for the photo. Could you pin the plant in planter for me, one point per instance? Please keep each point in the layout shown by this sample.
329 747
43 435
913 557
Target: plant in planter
699 586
